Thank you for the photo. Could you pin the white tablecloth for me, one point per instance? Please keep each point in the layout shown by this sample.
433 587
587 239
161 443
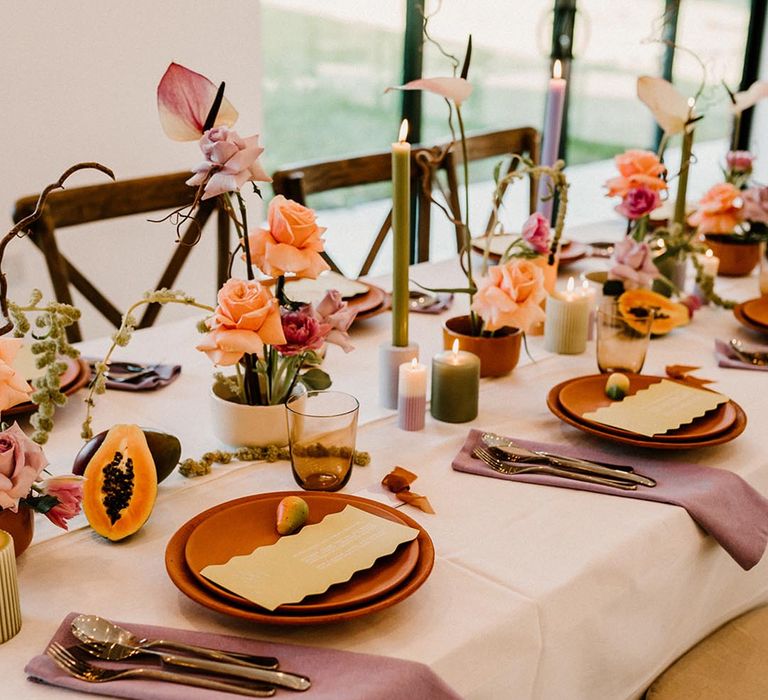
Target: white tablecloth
537 592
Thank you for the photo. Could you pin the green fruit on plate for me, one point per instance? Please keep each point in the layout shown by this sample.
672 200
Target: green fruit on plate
617 386
292 513
165 449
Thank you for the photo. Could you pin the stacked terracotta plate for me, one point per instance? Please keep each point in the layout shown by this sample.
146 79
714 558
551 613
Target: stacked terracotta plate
570 251
364 298
571 399
75 376
240 526
753 314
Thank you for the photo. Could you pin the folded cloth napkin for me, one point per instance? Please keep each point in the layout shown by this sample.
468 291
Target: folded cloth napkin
335 675
727 357
443 303
158 376
721 502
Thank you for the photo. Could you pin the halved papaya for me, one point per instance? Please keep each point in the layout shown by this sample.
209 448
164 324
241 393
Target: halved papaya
637 304
121 483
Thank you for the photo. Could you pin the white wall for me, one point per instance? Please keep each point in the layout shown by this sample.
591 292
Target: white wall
78 83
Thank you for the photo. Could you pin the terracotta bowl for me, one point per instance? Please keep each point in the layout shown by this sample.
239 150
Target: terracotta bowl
737 258
20 526
498 354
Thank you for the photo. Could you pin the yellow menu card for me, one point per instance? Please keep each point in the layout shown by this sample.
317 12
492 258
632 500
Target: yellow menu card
312 560
659 408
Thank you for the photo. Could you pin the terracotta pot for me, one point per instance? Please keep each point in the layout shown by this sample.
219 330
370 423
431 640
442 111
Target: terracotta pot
498 354
20 526
241 425
737 258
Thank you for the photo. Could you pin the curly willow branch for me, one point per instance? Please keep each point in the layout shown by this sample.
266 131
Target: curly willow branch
22 228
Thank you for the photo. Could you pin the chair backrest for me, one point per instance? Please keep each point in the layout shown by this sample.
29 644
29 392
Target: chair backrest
107 201
299 181
524 141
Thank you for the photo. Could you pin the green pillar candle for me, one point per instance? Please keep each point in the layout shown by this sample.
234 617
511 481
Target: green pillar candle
401 235
455 385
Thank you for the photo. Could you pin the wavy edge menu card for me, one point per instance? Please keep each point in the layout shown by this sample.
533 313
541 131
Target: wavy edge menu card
659 408
310 561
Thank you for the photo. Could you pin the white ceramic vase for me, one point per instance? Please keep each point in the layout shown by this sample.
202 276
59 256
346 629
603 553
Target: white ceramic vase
241 425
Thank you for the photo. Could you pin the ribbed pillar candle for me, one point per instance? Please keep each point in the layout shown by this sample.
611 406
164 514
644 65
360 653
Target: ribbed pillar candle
10 611
412 396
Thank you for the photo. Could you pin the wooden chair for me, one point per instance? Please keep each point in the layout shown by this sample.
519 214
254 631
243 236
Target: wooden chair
299 181
523 141
82 205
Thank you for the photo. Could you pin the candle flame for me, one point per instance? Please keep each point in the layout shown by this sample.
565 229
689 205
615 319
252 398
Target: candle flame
414 363
691 102
403 135
709 253
557 70
585 285
570 286
455 348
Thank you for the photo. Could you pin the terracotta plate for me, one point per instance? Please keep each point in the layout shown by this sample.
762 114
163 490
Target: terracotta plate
245 526
372 302
738 312
584 394
75 377
570 251
599 430
185 581
756 310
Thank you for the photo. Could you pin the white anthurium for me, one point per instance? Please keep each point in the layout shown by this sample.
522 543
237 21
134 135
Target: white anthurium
668 105
749 97
456 89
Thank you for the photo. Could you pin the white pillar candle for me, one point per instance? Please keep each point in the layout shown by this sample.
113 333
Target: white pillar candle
412 395
710 264
565 328
390 359
590 294
10 611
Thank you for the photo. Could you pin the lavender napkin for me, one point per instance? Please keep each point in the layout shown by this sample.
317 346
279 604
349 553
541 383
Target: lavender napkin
726 357
335 675
158 376
721 502
443 303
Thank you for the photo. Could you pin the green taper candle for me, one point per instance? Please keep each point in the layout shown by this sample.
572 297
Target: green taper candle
401 235
455 385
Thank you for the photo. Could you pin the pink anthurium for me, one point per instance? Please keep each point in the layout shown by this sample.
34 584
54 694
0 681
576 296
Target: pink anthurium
184 99
749 97
668 106
456 89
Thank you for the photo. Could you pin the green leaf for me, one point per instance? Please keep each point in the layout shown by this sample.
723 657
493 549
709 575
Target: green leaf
41 504
315 379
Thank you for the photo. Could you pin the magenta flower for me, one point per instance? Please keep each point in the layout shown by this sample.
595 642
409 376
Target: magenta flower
633 264
334 312
230 162
638 202
755 204
536 233
68 490
739 161
302 331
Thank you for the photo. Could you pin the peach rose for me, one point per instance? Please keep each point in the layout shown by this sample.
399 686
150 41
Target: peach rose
637 169
292 243
247 318
511 295
720 210
14 388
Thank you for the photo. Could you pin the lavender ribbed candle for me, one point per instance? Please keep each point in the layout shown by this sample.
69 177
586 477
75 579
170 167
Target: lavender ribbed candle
411 396
553 122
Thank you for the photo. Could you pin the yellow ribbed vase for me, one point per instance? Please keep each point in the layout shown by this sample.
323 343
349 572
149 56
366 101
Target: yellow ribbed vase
10 611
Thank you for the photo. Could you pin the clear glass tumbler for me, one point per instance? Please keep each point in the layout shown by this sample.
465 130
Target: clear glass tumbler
322 426
622 343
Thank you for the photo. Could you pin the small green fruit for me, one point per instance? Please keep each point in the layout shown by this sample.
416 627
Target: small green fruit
292 513
617 386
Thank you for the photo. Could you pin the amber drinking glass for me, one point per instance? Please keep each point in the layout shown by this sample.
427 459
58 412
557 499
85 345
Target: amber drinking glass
621 342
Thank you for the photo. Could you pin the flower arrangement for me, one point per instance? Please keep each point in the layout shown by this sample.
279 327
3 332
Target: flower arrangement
22 463
267 337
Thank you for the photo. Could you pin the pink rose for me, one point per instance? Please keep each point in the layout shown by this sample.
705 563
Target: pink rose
511 295
21 462
755 204
292 243
633 264
536 233
302 332
68 490
230 162
337 314
14 388
638 202
739 161
247 317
